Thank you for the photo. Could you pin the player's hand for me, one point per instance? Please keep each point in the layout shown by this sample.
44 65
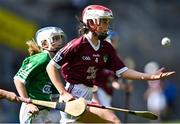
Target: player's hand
33 109
94 89
11 96
159 74
67 97
116 85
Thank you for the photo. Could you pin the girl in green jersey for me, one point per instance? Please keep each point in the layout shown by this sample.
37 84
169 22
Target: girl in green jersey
32 80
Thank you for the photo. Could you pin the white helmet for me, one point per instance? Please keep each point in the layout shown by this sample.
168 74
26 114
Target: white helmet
96 12
47 34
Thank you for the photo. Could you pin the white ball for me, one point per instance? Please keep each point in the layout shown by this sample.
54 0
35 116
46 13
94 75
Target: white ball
166 42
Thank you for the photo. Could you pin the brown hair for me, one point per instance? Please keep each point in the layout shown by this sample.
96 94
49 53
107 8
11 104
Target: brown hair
33 47
82 29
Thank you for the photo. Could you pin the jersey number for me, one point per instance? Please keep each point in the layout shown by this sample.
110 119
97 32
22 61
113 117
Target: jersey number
92 71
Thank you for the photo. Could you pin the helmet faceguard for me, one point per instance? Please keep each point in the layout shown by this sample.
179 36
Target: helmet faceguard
95 13
51 35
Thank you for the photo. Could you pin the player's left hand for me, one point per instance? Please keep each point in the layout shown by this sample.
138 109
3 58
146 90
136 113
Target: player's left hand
159 74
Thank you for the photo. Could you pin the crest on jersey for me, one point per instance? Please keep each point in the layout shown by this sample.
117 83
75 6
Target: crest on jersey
105 58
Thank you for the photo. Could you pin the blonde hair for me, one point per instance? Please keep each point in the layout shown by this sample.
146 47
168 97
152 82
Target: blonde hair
33 47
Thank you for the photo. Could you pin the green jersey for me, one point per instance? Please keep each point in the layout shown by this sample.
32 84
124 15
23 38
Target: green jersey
33 74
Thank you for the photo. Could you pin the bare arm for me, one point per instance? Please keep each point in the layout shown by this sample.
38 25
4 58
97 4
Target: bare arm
23 93
135 75
3 93
21 88
11 96
56 80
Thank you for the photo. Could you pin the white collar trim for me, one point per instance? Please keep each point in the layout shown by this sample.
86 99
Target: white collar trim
96 48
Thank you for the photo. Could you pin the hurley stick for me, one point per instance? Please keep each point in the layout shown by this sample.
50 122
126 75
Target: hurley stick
74 108
144 114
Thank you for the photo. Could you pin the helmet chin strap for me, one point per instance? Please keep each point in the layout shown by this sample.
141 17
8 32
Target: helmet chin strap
51 50
101 36
54 51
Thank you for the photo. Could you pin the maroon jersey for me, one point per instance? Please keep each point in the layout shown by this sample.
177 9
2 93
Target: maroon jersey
80 60
104 80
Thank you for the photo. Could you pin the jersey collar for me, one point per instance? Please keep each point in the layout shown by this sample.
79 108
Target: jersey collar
45 51
96 48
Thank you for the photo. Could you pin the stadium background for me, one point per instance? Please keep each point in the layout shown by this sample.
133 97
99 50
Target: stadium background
141 24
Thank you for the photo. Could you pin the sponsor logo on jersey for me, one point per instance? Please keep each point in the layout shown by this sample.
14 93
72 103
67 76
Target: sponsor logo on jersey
96 55
86 58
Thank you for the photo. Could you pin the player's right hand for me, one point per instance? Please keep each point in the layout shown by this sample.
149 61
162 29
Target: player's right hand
33 109
67 97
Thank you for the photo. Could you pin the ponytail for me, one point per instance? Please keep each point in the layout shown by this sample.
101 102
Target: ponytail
33 47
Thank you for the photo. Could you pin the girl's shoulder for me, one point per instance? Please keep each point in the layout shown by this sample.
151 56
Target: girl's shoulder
37 58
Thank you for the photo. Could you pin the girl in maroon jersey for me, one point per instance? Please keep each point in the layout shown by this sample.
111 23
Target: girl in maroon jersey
106 81
82 57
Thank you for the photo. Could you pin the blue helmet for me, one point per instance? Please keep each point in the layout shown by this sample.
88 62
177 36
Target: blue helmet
111 35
